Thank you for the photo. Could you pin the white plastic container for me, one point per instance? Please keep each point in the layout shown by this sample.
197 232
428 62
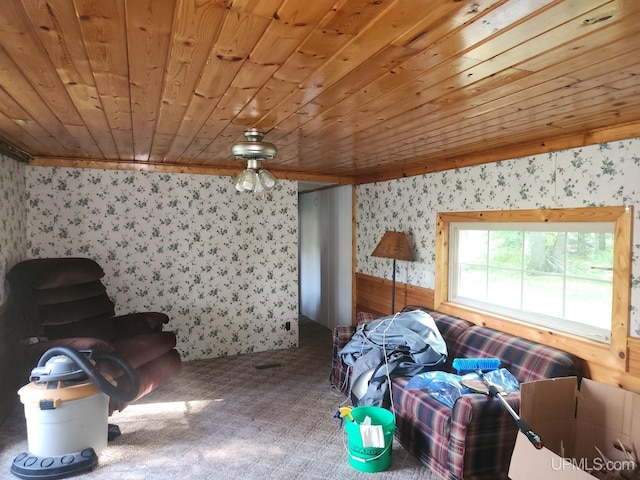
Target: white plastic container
64 419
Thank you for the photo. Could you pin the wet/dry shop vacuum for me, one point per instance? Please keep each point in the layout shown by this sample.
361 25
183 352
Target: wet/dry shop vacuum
66 406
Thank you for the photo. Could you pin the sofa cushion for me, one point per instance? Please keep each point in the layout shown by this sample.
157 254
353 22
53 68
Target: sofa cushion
526 360
422 407
450 327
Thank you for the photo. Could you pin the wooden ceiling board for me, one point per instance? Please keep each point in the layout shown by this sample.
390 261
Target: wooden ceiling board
58 32
469 77
148 27
399 101
367 83
551 26
19 136
194 32
349 90
19 89
608 65
552 114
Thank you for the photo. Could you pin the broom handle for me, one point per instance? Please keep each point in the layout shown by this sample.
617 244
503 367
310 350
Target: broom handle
533 437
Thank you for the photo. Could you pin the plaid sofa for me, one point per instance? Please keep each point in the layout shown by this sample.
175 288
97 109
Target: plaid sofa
475 439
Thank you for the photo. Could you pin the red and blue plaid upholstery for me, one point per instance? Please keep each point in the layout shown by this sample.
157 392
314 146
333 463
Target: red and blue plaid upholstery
366 317
341 335
527 360
339 371
475 439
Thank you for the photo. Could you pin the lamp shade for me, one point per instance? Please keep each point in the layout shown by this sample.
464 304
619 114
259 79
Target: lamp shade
393 245
267 179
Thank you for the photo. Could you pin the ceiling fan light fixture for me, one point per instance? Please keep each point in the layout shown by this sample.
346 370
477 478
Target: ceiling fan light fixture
254 147
254 178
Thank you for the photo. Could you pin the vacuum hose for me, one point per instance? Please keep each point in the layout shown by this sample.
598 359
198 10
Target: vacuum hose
83 362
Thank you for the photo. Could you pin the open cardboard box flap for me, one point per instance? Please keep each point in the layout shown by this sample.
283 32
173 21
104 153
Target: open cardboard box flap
571 424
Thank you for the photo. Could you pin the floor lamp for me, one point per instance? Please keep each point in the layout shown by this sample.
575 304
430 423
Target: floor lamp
393 245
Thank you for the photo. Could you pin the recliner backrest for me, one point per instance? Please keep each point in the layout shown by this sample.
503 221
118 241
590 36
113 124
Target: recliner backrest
61 297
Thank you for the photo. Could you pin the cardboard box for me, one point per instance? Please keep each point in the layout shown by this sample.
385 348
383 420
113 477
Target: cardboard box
571 424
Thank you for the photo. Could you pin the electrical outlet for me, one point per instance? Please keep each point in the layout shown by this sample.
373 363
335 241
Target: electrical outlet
287 326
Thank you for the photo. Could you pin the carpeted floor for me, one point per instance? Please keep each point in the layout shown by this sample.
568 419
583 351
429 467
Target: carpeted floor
264 415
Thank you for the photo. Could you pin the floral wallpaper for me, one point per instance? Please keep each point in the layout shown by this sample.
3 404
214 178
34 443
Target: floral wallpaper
222 264
607 174
13 237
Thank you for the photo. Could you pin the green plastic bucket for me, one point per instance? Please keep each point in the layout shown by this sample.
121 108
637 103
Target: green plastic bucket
370 459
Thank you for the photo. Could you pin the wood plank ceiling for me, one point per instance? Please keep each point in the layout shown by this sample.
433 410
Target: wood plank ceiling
348 90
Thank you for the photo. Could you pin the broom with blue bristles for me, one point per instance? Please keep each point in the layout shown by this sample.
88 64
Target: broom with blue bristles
479 366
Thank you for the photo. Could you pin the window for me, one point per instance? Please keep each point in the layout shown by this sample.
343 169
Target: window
557 276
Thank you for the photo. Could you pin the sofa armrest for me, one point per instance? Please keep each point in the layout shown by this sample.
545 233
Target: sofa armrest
139 323
483 435
339 376
341 336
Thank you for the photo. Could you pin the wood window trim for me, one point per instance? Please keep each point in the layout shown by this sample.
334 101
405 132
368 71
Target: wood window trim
615 355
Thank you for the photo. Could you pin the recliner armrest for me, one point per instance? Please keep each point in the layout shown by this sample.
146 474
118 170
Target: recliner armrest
36 350
139 323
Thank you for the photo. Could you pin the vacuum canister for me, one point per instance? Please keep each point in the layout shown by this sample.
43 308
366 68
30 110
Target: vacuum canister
65 417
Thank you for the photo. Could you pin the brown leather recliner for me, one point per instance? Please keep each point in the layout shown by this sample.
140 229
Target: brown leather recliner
62 301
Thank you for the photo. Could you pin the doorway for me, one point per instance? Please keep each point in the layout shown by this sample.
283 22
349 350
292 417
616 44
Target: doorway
325 254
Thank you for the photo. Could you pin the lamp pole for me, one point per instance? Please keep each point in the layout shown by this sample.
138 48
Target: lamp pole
393 289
